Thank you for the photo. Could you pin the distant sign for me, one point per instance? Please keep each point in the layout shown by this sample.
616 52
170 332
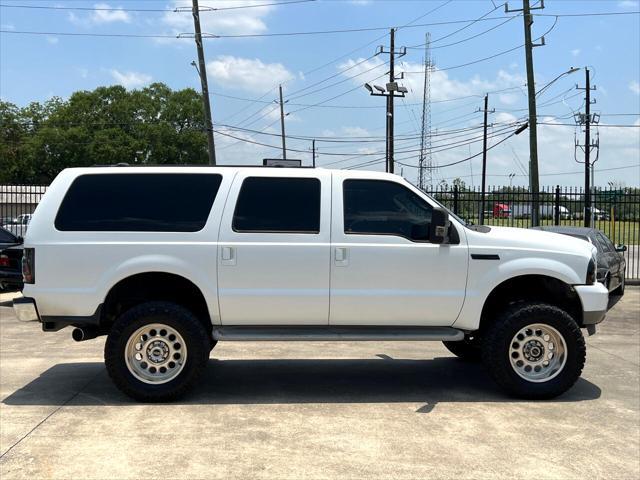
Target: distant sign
279 162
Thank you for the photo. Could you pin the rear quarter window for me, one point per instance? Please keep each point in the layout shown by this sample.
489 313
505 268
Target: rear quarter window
138 202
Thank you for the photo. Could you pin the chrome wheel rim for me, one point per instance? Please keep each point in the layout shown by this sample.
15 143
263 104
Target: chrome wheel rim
155 353
538 353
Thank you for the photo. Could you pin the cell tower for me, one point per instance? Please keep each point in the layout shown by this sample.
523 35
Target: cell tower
425 163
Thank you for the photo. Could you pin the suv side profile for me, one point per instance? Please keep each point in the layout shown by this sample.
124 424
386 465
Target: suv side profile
167 261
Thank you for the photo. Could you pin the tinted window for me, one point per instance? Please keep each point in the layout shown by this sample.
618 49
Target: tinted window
140 202
605 244
270 204
379 207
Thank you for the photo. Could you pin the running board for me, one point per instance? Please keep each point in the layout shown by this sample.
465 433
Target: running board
322 333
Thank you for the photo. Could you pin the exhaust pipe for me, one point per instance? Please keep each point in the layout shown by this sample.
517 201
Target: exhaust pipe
82 334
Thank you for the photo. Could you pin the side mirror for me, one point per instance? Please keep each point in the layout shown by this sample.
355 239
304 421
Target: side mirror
621 248
439 228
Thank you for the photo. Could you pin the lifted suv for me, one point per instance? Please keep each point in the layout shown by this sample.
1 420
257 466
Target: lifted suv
167 261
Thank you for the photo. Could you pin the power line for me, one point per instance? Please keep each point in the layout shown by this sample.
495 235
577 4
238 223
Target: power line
490 57
174 10
600 125
287 34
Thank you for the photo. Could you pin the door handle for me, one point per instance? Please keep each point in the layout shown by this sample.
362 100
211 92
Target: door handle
341 256
228 256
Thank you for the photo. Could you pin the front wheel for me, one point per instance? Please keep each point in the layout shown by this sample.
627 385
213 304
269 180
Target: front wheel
534 351
156 351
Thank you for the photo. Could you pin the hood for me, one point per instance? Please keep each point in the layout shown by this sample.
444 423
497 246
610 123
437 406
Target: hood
529 239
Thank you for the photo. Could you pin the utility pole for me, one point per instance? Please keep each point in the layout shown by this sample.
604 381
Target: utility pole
534 179
587 119
390 92
392 79
284 144
587 151
484 157
313 150
202 71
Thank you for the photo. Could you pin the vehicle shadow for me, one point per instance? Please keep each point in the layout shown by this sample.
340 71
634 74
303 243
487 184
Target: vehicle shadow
380 380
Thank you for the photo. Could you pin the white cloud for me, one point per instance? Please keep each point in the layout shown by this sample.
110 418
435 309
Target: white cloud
52 40
8 26
241 20
130 79
246 73
355 132
629 4
575 52
634 86
109 16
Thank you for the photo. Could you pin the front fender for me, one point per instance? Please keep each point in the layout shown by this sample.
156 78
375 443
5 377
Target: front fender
485 276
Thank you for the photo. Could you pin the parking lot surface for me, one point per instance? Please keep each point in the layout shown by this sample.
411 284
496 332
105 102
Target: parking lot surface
317 410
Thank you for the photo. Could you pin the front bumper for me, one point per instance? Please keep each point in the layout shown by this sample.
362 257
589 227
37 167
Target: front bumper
26 310
595 299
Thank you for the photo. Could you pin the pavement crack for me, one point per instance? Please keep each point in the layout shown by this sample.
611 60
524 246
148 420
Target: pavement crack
56 410
613 355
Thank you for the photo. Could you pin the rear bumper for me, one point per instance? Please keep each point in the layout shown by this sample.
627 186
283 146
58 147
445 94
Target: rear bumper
26 310
595 299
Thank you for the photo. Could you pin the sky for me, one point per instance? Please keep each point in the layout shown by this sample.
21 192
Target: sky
476 49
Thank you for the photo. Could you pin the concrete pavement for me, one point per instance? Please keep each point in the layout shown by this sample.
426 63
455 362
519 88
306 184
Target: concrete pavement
317 410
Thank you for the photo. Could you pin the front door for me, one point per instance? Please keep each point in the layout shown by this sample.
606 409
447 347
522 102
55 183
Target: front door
384 270
273 252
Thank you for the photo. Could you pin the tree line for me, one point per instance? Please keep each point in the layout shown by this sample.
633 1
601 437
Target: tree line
109 125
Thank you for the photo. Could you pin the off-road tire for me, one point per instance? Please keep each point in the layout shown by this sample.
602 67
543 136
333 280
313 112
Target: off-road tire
497 341
467 349
196 338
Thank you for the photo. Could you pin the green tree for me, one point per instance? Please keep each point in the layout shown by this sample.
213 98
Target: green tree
108 125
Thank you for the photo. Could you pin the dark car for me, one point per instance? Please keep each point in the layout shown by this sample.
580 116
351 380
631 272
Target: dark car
611 263
10 262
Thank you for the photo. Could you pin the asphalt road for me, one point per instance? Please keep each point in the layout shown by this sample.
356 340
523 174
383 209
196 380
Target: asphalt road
317 410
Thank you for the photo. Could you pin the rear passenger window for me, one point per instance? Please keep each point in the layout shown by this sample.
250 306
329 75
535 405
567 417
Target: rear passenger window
138 202
380 207
274 204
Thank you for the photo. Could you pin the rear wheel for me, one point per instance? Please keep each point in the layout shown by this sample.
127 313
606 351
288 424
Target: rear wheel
467 349
155 351
534 351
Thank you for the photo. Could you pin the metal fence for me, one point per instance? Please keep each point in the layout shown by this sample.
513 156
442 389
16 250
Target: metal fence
614 212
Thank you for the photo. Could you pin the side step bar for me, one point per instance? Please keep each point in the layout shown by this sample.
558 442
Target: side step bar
326 333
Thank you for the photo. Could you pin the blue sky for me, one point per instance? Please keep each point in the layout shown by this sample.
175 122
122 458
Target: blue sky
36 67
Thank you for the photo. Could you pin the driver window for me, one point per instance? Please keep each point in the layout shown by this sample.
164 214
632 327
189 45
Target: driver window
380 207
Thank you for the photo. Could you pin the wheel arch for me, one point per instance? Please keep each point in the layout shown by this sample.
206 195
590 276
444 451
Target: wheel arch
143 287
531 288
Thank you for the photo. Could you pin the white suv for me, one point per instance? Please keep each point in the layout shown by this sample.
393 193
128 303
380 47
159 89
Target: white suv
167 261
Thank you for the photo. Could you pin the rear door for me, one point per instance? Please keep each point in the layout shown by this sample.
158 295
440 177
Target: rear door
273 254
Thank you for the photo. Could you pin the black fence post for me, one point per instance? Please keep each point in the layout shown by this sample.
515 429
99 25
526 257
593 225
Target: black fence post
455 199
556 208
